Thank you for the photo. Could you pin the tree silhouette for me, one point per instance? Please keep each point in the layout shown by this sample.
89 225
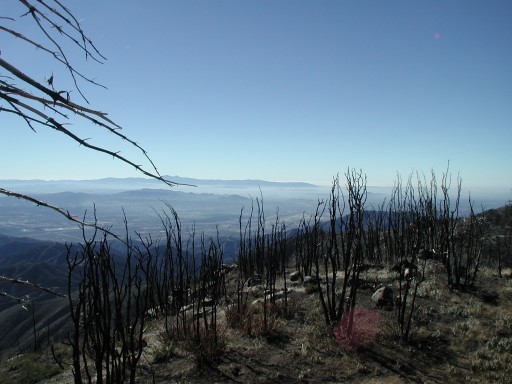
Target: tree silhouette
58 35
43 104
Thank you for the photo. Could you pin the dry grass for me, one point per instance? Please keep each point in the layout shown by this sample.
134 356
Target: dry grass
458 337
31 367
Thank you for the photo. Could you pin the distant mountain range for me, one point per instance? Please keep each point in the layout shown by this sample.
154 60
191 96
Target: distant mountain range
240 183
208 204
131 183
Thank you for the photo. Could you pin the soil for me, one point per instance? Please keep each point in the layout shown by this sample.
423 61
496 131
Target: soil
457 336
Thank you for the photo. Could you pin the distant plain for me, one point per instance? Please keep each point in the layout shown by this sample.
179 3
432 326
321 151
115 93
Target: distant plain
208 205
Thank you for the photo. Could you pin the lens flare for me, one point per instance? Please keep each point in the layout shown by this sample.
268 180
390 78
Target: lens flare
357 328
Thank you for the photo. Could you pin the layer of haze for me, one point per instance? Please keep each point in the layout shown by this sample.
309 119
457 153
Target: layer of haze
282 90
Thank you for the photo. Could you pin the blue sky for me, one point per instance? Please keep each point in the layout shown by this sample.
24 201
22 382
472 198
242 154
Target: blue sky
284 90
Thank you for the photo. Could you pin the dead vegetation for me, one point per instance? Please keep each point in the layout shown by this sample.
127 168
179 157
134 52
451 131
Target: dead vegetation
302 312
395 295
460 336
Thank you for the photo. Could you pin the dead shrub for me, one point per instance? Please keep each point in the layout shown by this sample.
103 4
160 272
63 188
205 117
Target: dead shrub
208 346
249 320
233 316
285 309
240 318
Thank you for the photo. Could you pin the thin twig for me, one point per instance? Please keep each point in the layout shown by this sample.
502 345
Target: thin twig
27 283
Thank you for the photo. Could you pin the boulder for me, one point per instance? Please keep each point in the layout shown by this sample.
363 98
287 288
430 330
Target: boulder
410 273
406 264
507 273
295 276
208 301
256 290
258 302
278 294
309 280
383 297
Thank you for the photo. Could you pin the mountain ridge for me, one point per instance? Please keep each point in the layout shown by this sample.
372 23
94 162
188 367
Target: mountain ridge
118 183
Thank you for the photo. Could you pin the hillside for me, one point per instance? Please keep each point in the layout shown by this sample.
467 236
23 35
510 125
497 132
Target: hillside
459 337
234 325
39 262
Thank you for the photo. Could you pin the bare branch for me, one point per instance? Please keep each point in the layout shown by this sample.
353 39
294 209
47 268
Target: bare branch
27 283
60 211
22 101
55 55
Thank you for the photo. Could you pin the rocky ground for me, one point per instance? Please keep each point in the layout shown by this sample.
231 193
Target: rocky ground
458 336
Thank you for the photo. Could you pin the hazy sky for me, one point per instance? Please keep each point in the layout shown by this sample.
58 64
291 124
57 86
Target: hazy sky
283 90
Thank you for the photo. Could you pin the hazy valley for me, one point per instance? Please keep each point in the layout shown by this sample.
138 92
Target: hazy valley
209 204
